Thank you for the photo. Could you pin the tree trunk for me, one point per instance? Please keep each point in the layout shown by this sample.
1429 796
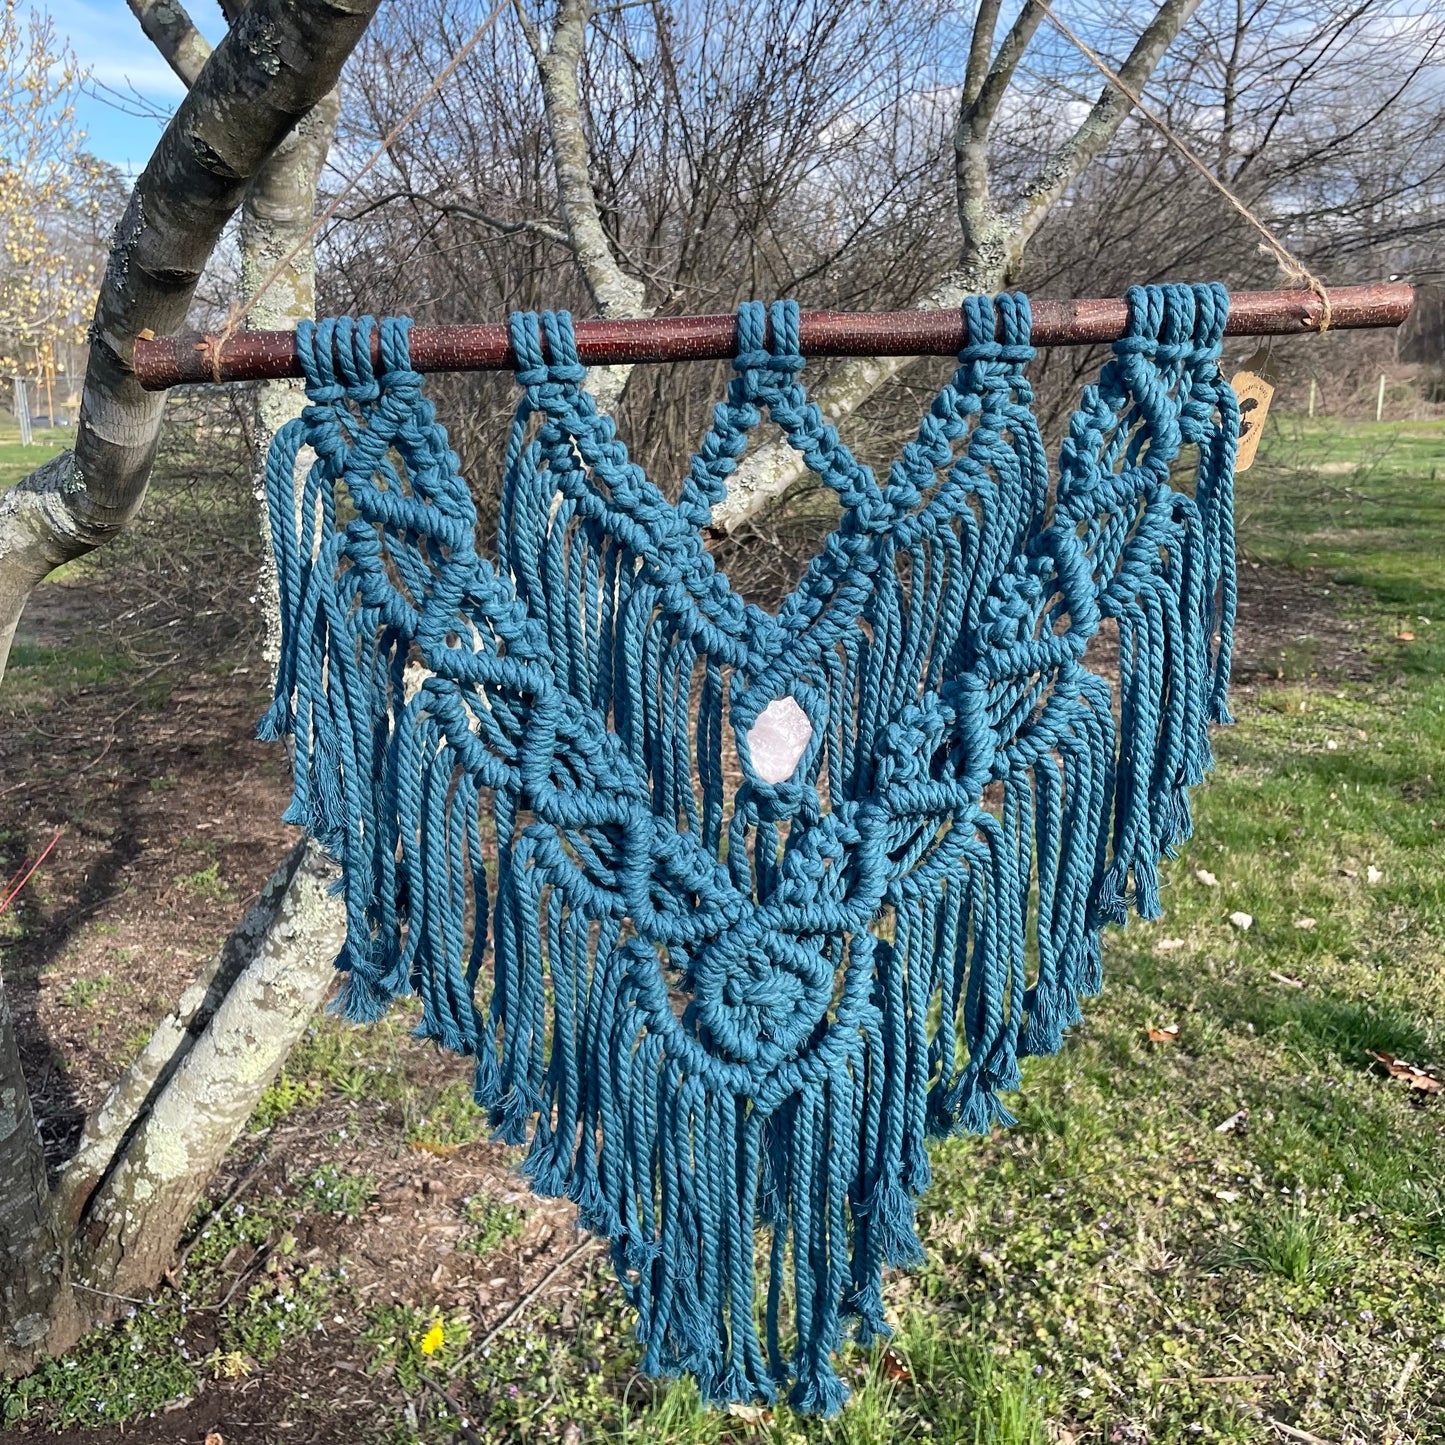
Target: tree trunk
278 60
288 945
111 1224
32 1258
280 210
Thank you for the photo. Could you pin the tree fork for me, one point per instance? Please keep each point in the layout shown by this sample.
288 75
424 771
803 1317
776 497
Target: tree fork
274 65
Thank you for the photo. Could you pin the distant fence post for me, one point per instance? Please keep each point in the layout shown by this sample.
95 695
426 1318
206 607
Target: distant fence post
22 413
1314 396
1380 400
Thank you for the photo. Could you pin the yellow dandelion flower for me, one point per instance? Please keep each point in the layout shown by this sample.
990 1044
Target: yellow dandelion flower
434 1338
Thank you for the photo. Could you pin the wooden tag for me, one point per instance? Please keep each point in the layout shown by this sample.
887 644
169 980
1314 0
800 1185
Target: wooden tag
1254 394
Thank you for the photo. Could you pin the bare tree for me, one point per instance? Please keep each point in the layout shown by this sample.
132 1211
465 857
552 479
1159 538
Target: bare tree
640 158
108 1225
870 156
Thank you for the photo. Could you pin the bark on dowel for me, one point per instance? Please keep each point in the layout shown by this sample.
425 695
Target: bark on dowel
166 361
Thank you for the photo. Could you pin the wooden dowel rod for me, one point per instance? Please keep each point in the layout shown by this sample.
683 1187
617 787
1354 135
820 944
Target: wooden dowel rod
164 361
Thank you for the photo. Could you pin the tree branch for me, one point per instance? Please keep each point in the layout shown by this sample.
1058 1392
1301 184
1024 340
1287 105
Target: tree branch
1098 128
545 229
173 33
614 292
276 62
994 238
982 95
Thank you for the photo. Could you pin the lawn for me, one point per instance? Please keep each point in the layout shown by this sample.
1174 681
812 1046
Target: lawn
1218 1217
17 461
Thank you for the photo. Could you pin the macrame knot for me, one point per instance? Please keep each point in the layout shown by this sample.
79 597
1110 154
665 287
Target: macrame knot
563 367
706 1006
526 337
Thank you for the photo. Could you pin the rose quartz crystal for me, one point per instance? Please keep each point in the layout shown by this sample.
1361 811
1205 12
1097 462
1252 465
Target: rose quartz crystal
778 739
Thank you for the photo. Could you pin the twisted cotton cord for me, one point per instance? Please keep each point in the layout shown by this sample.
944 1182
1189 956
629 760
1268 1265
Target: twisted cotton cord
853 974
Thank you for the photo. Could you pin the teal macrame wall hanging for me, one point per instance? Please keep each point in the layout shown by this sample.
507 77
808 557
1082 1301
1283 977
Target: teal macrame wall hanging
707 1009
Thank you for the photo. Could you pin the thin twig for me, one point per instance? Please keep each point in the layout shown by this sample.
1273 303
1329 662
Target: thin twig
1289 263
1214 1379
108 1294
468 1434
241 1185
247 1272
586 1246
10 896
1292 1433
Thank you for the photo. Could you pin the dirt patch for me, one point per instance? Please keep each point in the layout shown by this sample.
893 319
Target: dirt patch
1295 627
167 812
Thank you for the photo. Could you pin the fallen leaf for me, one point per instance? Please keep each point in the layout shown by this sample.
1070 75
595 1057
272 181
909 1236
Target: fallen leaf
572 1435
1285 978
1304 923
1235 1124
1417 1078
895 1367
1242 920
1206 877
753 1414
1169 1034
214 1437
1404 637
442 1151
1373 875
1168 945
233 1365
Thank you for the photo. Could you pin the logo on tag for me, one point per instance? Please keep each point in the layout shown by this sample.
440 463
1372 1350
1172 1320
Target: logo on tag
1254 394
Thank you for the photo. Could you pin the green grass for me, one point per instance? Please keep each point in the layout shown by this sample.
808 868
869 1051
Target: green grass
410 1342
50 670
205 882
1359 501
154 1359
332 1191
83 992
490 1224
17 461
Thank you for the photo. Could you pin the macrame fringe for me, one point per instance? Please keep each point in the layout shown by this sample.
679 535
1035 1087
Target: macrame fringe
708 1014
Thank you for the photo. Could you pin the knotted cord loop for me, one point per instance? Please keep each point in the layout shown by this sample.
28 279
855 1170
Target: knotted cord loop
778 819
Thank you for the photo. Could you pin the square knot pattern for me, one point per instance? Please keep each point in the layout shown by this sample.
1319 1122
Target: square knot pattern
734 908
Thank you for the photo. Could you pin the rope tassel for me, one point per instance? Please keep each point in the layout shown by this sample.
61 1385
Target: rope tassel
732 908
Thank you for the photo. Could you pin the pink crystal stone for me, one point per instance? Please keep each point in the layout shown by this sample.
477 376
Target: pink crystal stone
778 739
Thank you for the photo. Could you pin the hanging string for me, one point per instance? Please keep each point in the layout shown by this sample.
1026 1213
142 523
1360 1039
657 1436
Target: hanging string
1289 263
238 313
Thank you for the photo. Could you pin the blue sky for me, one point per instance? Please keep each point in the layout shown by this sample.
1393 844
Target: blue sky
108 42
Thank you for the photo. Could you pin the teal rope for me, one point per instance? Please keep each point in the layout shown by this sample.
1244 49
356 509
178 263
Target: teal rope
961 753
